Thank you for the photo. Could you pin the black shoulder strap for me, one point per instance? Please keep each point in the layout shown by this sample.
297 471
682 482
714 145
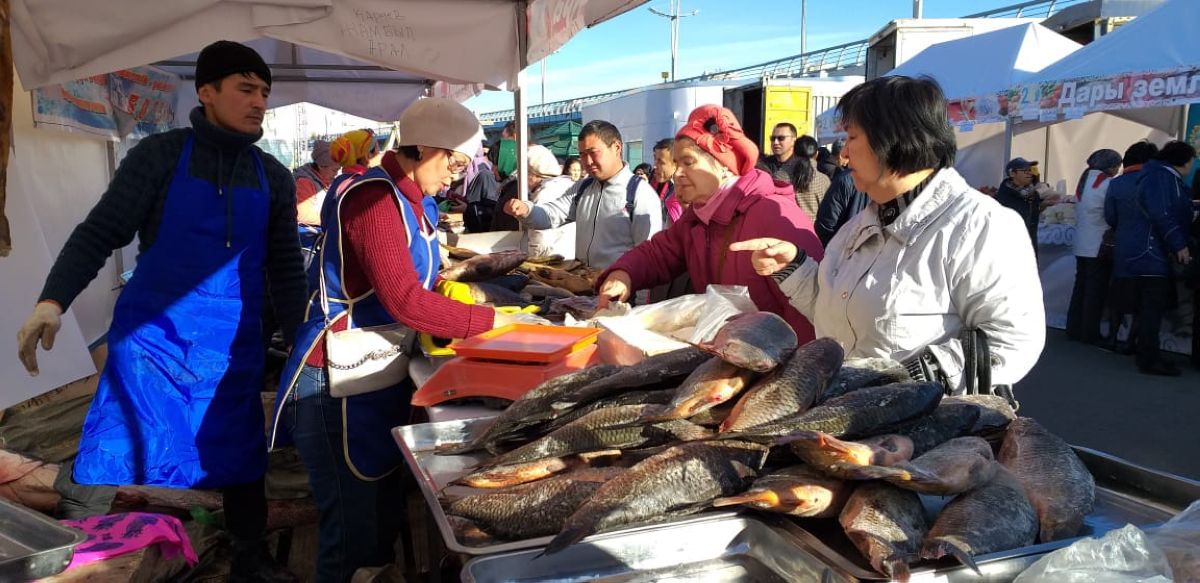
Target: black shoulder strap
631 195
584 184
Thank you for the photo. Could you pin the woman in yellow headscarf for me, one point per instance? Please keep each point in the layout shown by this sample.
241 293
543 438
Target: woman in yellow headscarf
354 150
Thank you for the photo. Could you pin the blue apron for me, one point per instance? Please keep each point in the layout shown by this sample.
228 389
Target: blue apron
179 402
367 419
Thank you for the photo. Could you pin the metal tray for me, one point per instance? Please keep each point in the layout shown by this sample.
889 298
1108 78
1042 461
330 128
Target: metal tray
710 548
725 546
433 472
1125 494
32 546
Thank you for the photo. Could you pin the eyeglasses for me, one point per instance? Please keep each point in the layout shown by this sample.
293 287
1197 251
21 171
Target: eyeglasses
779 138
456 165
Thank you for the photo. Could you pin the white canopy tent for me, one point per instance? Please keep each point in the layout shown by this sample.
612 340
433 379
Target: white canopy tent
972 72
365 57
389 50
1136 77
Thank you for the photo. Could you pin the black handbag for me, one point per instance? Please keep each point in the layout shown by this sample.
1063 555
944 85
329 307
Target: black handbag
977 367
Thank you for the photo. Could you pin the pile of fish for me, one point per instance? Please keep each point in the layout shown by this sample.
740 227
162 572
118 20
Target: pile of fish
751 420
513 278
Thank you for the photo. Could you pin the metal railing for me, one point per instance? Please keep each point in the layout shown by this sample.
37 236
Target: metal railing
828 60
564 107
1031 9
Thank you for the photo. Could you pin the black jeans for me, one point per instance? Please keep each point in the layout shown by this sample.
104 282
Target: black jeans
360 520
1153 300
245 505
1088 297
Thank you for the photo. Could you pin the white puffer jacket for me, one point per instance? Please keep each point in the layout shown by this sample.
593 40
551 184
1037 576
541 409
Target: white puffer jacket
953 259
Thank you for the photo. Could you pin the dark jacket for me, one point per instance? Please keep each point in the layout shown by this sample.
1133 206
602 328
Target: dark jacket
828 167
1151 211
134 202
841 202
1024 202
481 195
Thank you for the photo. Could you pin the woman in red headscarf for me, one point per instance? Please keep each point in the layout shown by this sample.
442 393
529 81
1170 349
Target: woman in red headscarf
728 199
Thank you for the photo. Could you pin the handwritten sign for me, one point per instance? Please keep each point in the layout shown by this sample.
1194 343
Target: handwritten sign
385 35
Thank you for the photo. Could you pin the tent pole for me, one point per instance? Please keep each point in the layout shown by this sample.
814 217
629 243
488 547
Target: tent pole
1046 156
521 112
1008 139
522 115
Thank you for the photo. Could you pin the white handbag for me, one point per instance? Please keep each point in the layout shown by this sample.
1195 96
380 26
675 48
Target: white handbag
362 360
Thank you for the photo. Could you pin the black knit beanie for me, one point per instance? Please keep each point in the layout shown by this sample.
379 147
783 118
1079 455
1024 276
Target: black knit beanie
224 58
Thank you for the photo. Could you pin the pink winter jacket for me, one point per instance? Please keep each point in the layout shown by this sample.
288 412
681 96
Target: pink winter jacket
756 207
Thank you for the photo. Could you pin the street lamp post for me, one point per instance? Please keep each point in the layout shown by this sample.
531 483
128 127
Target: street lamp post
674 15
803 26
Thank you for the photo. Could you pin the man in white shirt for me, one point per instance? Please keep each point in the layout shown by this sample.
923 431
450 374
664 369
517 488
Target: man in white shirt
612 214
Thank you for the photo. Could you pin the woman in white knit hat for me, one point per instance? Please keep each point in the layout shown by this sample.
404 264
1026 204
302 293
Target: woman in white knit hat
379 260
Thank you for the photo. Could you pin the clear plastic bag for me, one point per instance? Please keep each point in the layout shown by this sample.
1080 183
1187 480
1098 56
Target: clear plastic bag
703 314
665 326
1179 539
1124 555
721 302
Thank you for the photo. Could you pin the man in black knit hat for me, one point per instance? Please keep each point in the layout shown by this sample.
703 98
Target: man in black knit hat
178 403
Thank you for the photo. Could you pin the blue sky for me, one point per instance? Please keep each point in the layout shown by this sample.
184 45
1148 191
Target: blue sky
633 49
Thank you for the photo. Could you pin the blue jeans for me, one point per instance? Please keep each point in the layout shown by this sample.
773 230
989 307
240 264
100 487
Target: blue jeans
359 520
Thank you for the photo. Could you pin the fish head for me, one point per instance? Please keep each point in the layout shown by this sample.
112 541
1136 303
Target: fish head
758 498
511 475
820 448
805 499
889 450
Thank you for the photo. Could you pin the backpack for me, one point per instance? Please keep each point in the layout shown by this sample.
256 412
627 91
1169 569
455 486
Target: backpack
630 195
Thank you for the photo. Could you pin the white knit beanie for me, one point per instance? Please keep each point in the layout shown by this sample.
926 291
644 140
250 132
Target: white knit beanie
437 122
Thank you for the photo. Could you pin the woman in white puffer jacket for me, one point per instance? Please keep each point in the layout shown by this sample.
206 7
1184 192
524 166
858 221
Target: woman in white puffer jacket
929 259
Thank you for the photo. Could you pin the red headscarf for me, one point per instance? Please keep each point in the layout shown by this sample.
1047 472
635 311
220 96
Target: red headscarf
727 143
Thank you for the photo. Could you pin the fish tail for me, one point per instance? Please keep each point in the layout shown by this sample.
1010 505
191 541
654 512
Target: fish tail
896 567
938 548
565 538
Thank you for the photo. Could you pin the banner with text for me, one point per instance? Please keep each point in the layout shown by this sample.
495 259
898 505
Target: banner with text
137 101
1126 91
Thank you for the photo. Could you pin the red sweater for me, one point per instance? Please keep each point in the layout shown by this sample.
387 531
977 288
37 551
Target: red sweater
376 256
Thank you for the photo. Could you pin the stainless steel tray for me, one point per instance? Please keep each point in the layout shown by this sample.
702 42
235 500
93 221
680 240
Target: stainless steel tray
433 473
725 546
710 548
33 546
1125 494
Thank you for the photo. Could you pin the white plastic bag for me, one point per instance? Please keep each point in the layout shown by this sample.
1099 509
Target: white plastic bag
1125 555
721 302
666 326
1179 539
705 313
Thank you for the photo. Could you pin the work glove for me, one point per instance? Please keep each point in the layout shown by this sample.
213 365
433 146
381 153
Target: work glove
42 325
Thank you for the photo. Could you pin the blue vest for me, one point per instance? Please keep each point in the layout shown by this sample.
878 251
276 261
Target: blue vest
370 451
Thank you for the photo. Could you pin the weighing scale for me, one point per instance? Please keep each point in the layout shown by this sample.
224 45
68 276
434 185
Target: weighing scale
507 362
